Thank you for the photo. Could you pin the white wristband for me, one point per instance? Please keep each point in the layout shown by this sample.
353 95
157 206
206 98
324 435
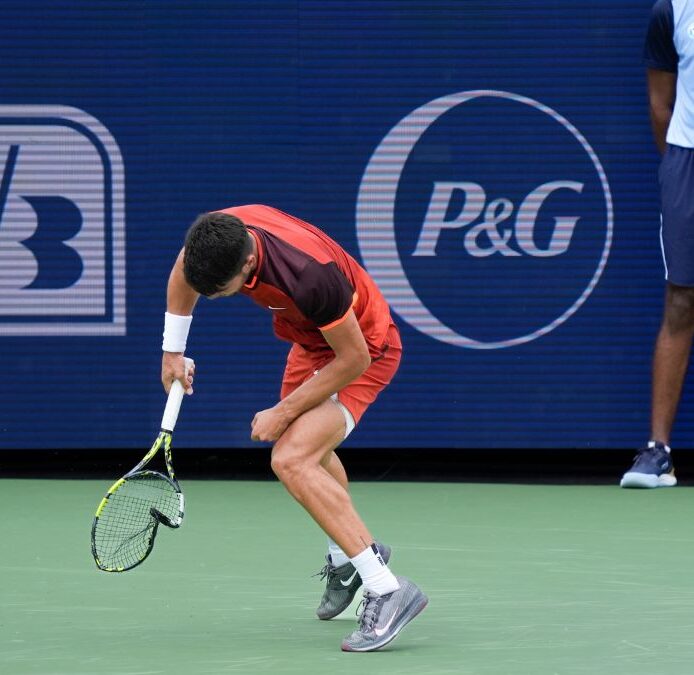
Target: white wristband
176 329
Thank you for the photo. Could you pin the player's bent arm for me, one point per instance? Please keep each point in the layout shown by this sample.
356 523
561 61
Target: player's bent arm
180 297
661 97
351 360
180 301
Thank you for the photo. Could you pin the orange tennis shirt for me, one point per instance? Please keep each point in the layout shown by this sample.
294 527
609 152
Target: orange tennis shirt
309 282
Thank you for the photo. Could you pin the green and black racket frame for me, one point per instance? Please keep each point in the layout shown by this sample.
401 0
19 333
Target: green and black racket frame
128 517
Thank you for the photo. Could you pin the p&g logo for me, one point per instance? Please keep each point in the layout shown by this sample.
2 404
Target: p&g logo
494 214
62 230
495 208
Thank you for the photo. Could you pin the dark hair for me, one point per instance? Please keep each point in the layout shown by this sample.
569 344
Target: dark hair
216 247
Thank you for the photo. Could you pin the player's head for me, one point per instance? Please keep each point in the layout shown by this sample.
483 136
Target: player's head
218 249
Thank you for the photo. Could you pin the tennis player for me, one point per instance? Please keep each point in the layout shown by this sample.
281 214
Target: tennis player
345 350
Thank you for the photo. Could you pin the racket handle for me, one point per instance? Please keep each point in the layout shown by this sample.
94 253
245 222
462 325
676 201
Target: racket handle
173 403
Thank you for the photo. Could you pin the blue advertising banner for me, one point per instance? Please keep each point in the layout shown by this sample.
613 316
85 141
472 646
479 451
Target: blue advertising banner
490 164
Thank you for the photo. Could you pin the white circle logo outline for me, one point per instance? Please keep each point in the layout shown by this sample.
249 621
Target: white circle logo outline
375 219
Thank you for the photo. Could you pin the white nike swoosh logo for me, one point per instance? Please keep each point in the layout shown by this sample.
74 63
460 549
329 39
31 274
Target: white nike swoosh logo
349 581
275 308
381 631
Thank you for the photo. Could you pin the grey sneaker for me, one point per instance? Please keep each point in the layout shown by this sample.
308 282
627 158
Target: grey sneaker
342 585
384 616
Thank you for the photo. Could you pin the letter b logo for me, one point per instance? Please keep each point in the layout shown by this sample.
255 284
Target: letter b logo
62 244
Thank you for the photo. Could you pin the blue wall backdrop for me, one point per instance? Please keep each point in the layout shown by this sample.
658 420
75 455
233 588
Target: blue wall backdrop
490 163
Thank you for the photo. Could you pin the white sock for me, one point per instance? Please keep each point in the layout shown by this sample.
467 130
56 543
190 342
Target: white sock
337 556
374 572
651 444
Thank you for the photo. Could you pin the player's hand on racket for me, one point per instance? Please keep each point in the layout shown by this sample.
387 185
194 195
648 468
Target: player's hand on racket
268 425
173 367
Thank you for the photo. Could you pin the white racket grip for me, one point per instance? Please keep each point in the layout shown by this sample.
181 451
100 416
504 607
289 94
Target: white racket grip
173 403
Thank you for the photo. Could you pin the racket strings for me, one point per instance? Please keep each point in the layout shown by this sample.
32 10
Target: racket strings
127 524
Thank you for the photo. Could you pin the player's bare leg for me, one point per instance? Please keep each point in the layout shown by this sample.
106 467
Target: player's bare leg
339 574
333 465
298 459
335 557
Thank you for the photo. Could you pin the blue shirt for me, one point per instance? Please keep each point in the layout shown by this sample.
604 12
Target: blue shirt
670 47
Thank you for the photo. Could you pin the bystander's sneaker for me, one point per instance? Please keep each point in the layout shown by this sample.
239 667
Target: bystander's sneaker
652 468
342 584
384 616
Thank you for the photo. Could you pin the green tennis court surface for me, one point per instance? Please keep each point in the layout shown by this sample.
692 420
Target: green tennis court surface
522 580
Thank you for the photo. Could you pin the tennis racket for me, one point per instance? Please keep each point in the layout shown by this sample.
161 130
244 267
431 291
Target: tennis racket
128 517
